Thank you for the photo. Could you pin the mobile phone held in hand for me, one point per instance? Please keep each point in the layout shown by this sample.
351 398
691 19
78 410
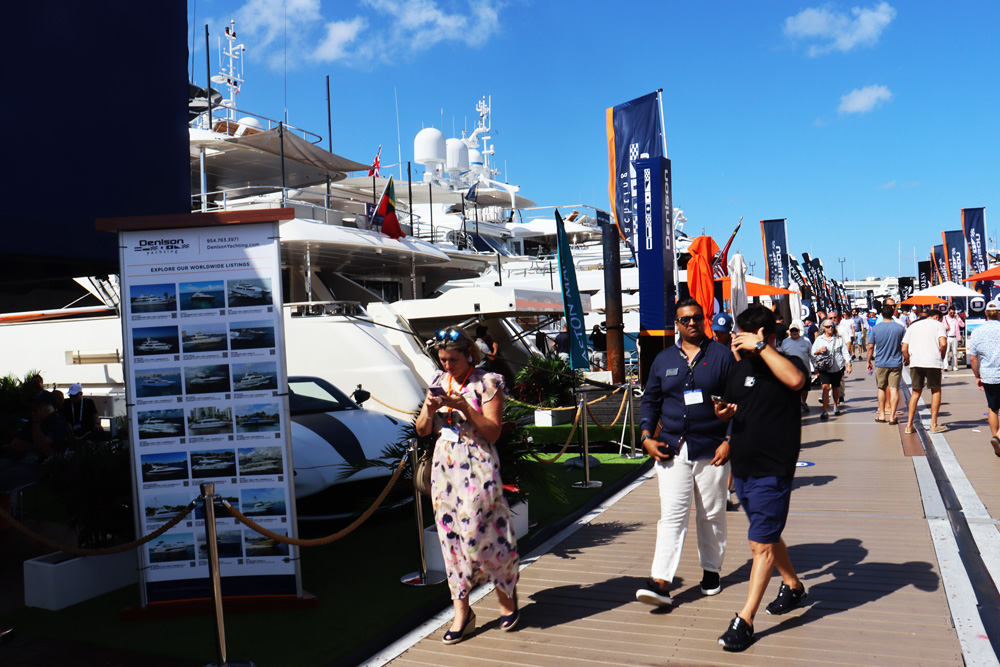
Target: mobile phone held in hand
716 399
437 390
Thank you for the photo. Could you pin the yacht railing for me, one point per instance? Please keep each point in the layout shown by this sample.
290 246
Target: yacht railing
230 125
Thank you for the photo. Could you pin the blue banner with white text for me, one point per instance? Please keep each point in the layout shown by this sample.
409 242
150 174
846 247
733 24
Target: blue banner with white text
655 246
572 309
775 239
940 273
633 131
974 228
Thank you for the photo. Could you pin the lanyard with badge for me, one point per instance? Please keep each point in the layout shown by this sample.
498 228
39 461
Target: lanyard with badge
450 432
693 396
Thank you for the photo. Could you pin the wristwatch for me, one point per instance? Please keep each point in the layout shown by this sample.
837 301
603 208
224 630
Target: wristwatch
759 347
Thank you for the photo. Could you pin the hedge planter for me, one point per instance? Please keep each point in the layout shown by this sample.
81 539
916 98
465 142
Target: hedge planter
59 579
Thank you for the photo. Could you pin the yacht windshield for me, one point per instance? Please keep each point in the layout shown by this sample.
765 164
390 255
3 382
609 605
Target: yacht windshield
309 395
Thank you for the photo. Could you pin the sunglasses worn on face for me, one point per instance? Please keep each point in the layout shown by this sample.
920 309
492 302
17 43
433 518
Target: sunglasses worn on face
688 319
827 326
448 334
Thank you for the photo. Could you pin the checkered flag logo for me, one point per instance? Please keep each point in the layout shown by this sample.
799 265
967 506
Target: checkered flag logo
633 152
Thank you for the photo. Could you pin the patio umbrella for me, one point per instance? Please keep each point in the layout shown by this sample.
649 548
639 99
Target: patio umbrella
988 274
923 300
795 302
947 289
699 276
753 289
737 284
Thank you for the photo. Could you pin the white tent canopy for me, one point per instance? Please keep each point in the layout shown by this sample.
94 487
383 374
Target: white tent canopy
947 289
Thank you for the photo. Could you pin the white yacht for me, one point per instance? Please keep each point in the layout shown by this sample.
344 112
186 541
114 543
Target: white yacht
250 381
152 300
200 339
150 345
210 423
156 381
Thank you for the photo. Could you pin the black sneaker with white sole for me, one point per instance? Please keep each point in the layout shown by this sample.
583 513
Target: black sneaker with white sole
787 600
738 636
652 594
710 584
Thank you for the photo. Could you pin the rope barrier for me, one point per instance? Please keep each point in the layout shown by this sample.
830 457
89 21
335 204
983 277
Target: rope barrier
78 551
572 432
569 407
405 412
318 541
610 426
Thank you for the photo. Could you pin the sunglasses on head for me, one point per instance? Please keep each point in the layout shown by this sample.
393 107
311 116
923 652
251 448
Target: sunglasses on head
688 319
448 334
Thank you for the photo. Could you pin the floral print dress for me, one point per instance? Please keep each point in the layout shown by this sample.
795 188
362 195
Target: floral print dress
472 516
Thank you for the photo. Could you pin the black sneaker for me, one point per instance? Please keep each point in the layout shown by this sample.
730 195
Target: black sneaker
805 407
787 600
824 416
738 637
837 411
710 583
652 594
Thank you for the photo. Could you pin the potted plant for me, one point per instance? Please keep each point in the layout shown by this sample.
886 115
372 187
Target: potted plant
547 382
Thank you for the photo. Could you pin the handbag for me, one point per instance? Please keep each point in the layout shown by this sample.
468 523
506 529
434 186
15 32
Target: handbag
422 474
823 362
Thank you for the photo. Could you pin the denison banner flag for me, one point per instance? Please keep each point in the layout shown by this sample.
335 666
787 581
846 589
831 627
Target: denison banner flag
633 132
572 308
774 235
974 227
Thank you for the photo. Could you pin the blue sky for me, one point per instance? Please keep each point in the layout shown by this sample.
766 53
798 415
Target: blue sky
868 126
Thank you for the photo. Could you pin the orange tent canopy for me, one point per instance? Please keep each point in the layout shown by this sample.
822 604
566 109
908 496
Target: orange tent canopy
756 289
988 274
923 301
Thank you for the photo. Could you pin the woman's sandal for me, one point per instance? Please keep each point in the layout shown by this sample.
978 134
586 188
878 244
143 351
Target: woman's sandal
880 419
509 622
453 636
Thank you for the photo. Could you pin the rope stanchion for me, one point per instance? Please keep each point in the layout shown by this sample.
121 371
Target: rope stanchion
118 548
391 407
567 407
572 432
318 541
610 426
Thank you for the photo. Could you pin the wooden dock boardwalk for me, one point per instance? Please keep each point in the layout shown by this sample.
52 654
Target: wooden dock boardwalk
858 534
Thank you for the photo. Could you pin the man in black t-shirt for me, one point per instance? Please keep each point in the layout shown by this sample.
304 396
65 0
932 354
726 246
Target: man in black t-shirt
762 400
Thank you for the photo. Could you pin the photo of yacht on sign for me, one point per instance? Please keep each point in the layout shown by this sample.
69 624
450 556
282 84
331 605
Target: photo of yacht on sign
210 379
158 382
263 502
230 544
154 340
254 377
213 463
249 292
165 506
164 467
205 338
261 545
251 335
206 295
220 511
209 421
260 461
153 298
172 547
161 424
257 417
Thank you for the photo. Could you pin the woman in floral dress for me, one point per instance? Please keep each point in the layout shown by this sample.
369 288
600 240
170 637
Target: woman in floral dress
464 408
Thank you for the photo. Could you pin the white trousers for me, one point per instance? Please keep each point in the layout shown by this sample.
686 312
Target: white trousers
951 354
680 480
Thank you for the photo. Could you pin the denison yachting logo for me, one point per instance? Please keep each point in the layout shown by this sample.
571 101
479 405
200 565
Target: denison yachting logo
161 246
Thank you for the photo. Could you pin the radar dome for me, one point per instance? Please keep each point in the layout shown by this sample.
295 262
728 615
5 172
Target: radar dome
250 122
458 155
429 147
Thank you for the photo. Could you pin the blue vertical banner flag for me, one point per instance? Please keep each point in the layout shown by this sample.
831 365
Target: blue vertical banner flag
572 309
974 228
940 273
954 252
634 132
655 246
924 272
775 238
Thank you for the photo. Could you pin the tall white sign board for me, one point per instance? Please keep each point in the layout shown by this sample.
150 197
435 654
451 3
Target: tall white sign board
207 393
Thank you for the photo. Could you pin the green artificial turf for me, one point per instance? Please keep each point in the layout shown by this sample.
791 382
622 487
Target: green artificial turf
357 581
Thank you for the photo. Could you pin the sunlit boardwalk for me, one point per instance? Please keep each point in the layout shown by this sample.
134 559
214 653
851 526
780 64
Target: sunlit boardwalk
858 535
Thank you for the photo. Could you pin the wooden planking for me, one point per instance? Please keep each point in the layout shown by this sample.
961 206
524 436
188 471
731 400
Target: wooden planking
856 533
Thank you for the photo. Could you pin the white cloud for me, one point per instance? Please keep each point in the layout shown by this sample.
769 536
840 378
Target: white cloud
278 32
888 186
339 36
837 31
863 100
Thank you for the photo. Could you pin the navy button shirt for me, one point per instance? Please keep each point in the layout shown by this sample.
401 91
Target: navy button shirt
663 397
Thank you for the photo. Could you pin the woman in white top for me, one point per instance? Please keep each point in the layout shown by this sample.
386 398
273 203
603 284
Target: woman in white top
829 344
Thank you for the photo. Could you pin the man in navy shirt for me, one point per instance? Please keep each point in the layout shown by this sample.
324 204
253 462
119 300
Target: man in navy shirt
762 400
691 451
885 347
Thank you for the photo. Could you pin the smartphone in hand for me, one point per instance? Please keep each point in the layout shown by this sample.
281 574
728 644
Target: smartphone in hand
437 390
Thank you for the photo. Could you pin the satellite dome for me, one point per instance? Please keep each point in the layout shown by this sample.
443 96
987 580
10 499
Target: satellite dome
250 122
429 147
458 156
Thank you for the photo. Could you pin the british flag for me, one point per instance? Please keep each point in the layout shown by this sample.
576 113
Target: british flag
375 165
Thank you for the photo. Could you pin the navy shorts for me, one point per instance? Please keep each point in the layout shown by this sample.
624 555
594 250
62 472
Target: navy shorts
992 392
765 501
